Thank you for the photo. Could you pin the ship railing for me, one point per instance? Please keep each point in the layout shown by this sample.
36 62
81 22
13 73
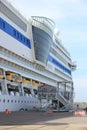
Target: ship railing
61 98
56 96
45 95
44 23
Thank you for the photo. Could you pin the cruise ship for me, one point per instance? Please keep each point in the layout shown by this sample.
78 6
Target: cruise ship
35 68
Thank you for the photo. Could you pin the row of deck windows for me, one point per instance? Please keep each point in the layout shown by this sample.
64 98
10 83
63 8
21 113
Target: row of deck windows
20 37
17 101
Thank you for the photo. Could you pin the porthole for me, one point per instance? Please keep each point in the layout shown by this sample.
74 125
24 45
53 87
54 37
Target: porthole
22 101
8 100
11 101
3 100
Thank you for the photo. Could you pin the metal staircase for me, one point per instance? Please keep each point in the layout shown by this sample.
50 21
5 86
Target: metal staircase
58 97
49 97
61 99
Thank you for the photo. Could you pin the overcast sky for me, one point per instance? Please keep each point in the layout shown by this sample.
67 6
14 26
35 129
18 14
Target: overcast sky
70 17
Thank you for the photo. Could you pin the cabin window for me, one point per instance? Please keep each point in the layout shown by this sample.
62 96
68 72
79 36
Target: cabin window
14 33
21 37
24 39
3 25
17 35
27 41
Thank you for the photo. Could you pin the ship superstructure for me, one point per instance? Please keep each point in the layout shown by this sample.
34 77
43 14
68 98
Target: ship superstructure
35 68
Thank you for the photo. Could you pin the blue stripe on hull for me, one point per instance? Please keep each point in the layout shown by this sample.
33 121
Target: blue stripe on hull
6 27
58 64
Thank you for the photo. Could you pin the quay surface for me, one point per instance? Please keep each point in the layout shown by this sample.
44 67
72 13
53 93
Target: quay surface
31 120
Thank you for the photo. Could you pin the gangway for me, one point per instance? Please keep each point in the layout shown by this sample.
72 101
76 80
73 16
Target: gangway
55 98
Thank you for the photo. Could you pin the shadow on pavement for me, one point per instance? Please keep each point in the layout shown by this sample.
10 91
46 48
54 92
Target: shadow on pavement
31 118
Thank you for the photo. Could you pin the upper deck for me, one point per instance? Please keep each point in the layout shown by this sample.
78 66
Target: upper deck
15 31
24 47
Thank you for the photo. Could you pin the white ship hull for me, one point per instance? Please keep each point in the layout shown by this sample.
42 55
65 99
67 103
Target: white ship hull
34 65
17 103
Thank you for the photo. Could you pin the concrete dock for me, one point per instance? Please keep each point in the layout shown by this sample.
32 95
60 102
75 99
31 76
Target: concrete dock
31 120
